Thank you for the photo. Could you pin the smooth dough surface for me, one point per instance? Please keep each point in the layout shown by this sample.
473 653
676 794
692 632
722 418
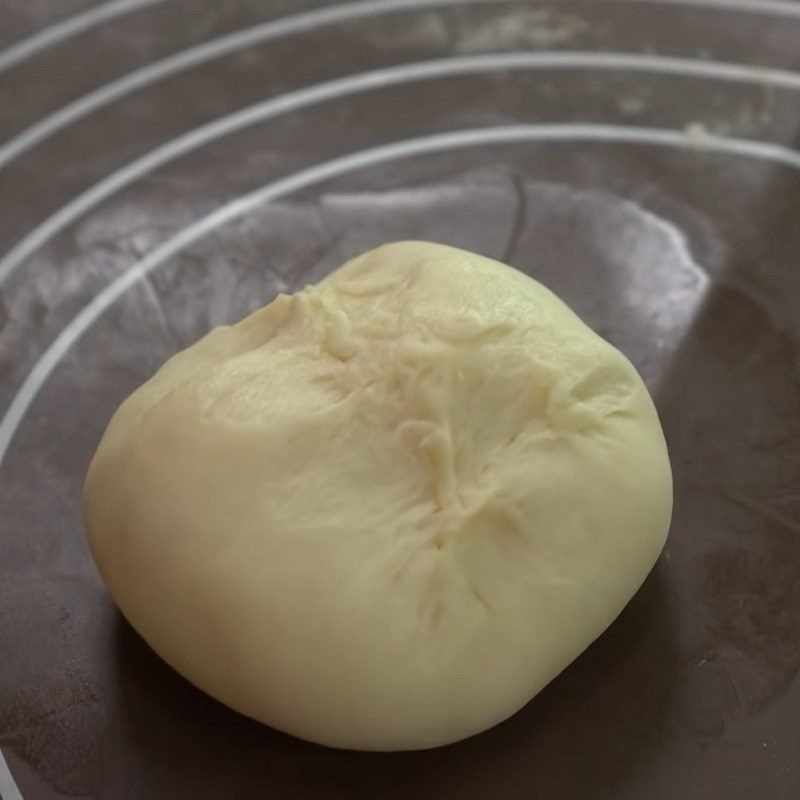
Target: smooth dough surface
384 512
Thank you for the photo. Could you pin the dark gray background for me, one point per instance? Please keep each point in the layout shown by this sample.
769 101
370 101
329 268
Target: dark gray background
682 253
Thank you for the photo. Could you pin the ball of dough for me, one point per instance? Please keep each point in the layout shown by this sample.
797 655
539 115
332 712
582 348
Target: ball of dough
383 512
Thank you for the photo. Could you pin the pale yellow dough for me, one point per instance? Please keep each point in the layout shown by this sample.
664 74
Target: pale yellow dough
382 513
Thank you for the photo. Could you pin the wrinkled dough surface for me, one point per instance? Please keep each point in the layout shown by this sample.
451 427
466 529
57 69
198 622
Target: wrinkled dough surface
383 512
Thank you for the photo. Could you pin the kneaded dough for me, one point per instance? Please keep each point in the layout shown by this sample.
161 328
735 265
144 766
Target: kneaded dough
383 512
